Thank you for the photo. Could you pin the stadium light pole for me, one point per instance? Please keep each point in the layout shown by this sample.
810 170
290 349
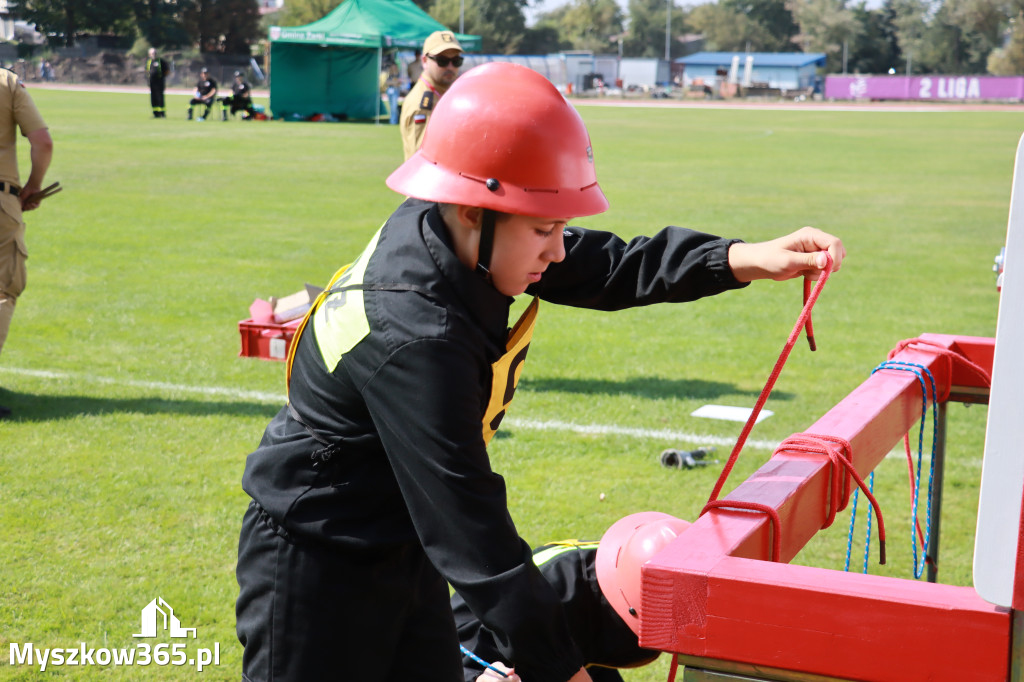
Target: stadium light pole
668 27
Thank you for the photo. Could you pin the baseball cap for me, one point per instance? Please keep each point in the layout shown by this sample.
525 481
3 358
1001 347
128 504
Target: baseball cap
439 41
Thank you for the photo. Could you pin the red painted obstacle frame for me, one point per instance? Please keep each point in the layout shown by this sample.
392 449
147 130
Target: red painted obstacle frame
713 597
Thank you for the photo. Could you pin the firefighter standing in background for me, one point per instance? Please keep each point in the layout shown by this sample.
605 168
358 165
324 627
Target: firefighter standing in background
442 57
157 69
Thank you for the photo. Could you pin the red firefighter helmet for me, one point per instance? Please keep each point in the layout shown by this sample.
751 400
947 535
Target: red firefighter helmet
503 137
623 549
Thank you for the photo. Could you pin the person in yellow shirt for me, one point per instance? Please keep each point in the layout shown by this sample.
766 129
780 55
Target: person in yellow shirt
442 57
17 110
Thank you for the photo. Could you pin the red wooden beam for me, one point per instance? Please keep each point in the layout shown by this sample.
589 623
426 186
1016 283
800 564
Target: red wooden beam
712 593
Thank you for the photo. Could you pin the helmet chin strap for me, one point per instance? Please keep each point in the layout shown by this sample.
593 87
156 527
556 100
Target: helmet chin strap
487 221
483 260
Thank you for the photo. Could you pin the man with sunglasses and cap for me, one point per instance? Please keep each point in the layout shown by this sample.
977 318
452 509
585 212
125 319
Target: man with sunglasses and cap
372 490
442 57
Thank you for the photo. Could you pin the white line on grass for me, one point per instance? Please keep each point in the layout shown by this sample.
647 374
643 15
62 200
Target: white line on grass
528 424
258 396
658 434
279 398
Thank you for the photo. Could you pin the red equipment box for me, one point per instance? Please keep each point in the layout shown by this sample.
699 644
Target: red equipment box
266 340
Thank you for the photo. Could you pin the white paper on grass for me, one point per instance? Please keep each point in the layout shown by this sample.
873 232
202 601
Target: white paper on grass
732 414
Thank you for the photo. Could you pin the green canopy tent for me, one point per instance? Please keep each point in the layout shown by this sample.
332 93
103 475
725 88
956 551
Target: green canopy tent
333 65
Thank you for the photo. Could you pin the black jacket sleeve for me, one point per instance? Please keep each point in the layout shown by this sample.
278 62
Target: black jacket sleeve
603 272
458 505
605 640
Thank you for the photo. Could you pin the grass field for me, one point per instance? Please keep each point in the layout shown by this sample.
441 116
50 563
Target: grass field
119 475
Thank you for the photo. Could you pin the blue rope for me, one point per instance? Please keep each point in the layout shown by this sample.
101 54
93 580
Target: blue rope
920 371
853 521
482 661
867 539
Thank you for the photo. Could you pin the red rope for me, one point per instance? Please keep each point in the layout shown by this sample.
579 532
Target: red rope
754 506
810 327
801 322
672 670
840 452
951 355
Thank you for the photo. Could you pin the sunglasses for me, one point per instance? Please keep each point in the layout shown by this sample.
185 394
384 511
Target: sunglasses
443 61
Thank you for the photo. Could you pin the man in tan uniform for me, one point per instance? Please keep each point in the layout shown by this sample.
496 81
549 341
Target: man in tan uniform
17 110
442 57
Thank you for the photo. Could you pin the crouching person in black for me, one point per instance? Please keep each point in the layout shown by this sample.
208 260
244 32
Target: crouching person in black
598 584
603 637
239 100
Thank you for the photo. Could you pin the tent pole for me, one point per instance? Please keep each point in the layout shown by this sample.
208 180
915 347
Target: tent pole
380 66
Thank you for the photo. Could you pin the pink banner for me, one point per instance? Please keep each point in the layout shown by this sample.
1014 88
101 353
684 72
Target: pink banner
925 87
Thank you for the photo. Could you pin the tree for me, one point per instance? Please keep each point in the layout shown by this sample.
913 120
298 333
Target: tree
73 17
876 49
646 32
239 25
589 24
160 22
542 38
773 17
546 35
911 19
727 30
1008 60
964 33
499 23
302 12
825 26
228 26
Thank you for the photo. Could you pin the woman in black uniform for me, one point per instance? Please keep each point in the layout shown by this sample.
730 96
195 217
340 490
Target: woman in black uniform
372 490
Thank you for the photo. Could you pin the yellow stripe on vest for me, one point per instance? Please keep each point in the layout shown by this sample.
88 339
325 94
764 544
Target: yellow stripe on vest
340 320
290 360
554 549
506 371
352 273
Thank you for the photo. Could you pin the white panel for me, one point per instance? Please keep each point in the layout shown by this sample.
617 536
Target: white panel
1002 475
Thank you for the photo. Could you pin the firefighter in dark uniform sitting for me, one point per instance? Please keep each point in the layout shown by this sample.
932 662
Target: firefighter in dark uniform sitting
205 94
240 98
442 57
371 490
